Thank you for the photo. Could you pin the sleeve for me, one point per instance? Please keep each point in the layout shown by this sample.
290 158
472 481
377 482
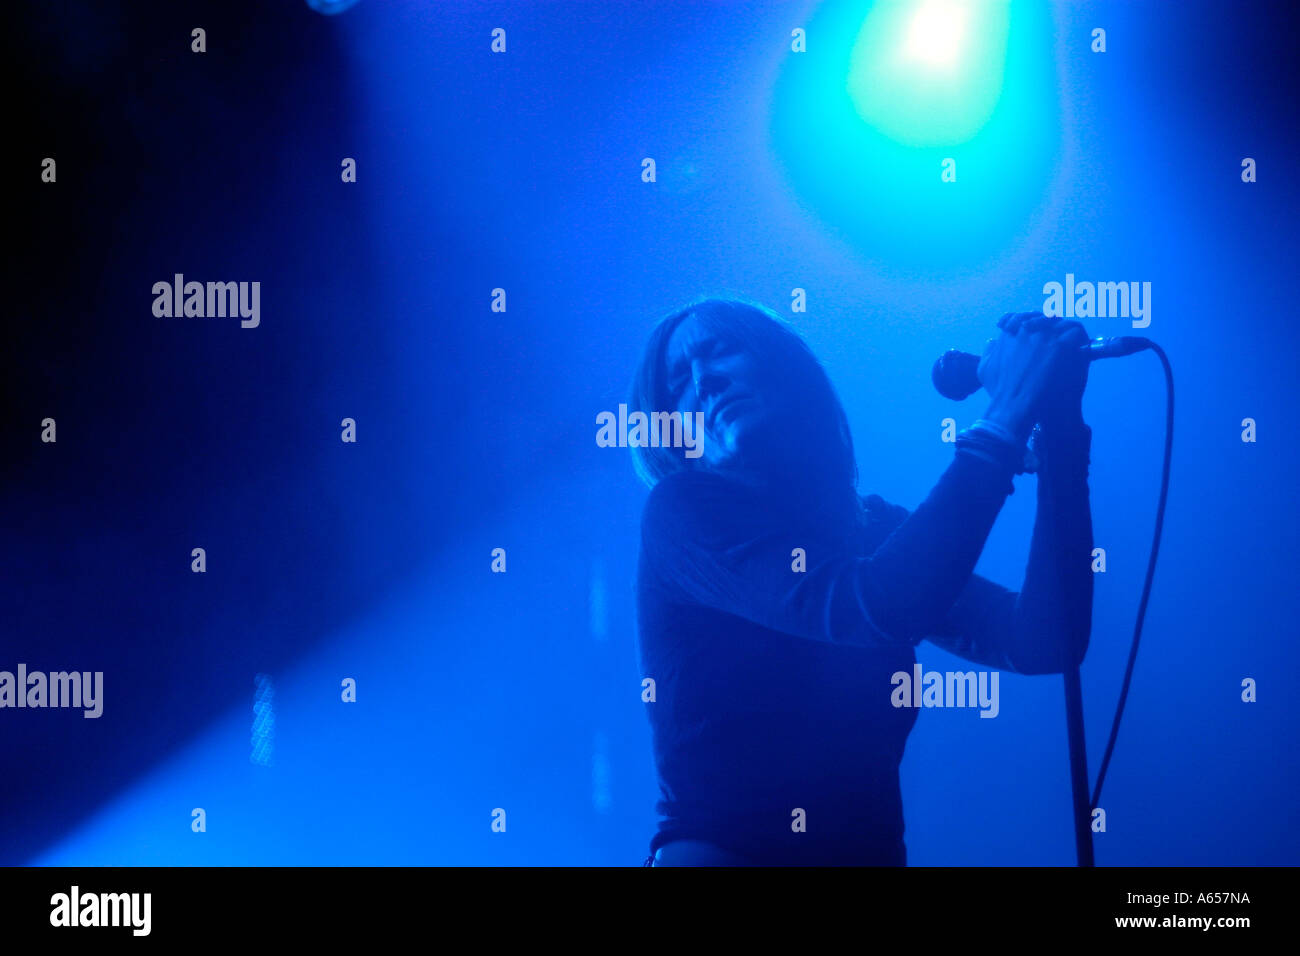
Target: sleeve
710 541
1043 628
976 625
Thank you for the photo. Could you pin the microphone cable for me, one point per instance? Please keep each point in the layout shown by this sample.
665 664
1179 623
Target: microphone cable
1151 570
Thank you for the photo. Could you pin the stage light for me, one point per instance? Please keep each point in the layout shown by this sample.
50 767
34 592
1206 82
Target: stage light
936 33
929 72
330 7
902 93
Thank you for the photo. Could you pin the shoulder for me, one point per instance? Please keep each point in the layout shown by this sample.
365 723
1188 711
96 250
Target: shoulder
882 517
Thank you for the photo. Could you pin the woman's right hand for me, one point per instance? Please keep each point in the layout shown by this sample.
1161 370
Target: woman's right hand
1035 357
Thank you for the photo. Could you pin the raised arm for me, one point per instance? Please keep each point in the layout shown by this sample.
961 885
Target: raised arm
713 542
717 542
1043 628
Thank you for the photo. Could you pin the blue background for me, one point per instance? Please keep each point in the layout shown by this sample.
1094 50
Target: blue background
476 429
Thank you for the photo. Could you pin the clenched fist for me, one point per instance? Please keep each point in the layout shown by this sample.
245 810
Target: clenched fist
1035 372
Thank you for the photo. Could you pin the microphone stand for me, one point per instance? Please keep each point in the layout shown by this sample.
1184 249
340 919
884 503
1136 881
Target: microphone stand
1078 768
956 375
1080 801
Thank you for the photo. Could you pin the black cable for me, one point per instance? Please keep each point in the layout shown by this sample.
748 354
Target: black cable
1151 569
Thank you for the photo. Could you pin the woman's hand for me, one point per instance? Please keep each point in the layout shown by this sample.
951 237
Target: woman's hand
1035 371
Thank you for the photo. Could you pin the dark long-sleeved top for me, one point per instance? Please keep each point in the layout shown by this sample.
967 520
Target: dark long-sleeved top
773 685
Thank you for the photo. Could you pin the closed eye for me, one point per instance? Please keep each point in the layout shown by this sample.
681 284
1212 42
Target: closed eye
711 347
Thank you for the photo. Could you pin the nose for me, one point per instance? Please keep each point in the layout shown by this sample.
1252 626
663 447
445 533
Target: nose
709 382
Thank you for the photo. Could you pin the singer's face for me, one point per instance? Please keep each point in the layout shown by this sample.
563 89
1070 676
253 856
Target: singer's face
709 374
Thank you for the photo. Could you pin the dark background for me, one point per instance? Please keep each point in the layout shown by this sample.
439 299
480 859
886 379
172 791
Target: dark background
329 560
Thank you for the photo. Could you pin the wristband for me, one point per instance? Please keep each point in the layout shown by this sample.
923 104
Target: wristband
995 444
983 424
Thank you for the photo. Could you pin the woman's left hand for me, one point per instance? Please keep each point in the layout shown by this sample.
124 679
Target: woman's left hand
1062 403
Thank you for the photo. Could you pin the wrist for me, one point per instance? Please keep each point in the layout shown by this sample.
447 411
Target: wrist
1060 408
1063 420
1063 445
996 444
1015 424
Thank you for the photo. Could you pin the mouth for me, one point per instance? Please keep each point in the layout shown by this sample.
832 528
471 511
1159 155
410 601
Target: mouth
724 403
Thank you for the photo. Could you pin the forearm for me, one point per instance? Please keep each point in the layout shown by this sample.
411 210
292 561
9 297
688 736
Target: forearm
1053 616
915 576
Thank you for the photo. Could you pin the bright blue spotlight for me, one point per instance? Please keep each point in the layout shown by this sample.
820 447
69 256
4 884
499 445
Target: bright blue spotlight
330 7
936 34
929 72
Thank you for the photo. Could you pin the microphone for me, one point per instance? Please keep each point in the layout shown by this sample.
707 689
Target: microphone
956 374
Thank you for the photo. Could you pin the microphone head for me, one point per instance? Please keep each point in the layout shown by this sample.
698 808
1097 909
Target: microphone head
956 374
